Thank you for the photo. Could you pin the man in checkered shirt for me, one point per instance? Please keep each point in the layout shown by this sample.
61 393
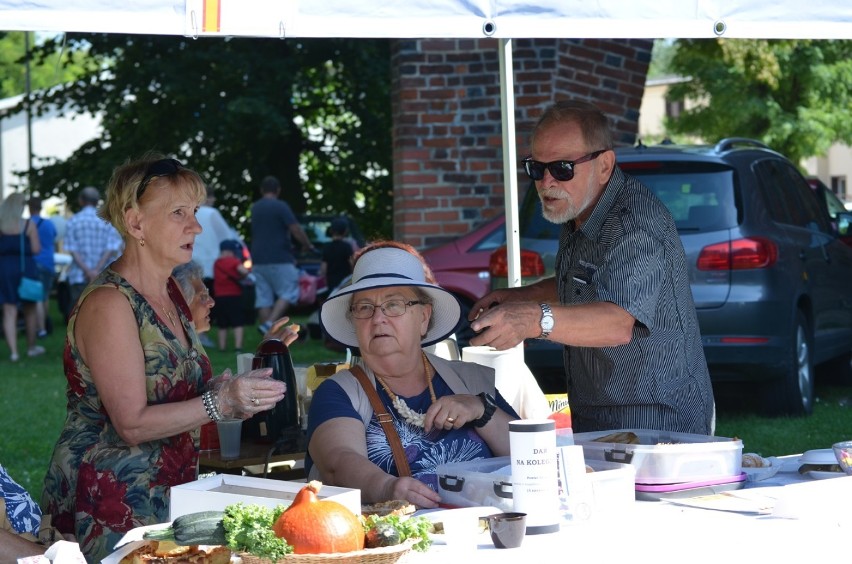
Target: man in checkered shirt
91 241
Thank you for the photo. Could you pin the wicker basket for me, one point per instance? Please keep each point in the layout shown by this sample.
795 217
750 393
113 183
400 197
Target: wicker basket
384 555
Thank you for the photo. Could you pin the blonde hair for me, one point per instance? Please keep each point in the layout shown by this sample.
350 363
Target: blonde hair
123 187
11 212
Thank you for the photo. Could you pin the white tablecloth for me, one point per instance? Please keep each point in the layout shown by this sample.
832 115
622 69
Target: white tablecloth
807 521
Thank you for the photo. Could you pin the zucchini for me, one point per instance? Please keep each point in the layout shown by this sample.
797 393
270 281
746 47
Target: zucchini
204 527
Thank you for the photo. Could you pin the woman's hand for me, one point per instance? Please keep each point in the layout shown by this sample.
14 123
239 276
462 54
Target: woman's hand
453 412
414 491
249 393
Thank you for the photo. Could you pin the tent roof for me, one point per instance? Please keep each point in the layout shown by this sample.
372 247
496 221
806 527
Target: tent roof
816 19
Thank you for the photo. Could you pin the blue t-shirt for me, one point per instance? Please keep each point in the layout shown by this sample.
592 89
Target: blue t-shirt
47 238
425 451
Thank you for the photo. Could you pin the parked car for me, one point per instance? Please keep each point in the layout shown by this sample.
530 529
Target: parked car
461 266
769 274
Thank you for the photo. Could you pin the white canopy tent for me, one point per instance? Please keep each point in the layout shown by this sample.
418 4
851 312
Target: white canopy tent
501 19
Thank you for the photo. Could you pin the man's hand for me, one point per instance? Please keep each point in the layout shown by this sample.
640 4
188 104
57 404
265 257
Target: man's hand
506 325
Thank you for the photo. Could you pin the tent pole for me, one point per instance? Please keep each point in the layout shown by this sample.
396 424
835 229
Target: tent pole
510 170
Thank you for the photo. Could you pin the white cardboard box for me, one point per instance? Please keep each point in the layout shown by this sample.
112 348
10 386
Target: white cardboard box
216 492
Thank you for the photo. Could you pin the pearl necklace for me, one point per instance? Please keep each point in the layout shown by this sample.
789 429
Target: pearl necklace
409 415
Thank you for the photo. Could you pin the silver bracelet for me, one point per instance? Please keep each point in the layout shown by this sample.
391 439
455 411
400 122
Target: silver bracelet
210 402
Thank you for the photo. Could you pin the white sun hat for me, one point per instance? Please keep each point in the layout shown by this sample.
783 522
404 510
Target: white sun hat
382 268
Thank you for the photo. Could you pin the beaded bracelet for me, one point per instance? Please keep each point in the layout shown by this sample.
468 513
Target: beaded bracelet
210 402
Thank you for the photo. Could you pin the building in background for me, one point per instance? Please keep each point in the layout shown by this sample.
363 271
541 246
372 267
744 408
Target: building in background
54 136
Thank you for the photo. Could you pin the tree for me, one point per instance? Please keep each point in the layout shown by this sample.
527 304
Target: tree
314 113
49 70
794 95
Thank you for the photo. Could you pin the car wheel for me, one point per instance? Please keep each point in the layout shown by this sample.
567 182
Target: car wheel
793 392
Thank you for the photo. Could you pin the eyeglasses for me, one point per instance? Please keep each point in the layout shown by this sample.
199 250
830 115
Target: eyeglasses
560 170
391 308
163 167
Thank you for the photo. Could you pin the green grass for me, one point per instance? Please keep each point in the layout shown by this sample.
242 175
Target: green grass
32 409
32 405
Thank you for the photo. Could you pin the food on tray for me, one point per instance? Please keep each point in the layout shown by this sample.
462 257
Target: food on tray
621 437
754 460
167 552
805 468
391 507
204 527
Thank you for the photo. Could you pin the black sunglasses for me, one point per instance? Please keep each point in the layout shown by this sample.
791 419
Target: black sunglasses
163 167
560 170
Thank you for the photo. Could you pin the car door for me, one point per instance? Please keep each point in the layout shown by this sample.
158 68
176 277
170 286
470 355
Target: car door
808 238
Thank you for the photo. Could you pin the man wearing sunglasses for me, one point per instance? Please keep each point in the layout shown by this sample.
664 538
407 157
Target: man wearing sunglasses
620 300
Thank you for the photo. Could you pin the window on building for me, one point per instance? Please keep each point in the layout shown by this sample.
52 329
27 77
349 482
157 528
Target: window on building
838 186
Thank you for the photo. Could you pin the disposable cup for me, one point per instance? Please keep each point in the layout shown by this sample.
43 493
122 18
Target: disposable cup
230 431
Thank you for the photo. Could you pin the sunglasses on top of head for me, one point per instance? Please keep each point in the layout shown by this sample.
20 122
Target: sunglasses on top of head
560 170
163 167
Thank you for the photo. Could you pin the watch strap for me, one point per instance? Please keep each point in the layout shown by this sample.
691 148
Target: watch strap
490 407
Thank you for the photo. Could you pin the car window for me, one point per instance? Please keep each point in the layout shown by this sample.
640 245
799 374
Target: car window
700 196
788 196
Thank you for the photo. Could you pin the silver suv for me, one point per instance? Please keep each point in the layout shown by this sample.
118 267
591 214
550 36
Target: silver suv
769 275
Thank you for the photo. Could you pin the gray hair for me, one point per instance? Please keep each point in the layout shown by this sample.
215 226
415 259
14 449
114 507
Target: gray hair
184 275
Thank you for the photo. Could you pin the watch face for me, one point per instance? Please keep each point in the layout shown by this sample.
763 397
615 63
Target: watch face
547 323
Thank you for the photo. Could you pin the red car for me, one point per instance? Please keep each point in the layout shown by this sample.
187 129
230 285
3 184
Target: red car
461 266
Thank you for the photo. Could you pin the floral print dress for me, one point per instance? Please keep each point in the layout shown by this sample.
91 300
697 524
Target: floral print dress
97 486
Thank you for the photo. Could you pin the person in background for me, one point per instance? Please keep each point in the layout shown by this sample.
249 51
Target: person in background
139 383
44 262
443 411
337 255
16 235
228 273
214 230
273 260
620 300
91 242
20 521
188 276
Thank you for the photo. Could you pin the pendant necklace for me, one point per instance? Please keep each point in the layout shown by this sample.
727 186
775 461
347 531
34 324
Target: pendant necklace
168 313
409 415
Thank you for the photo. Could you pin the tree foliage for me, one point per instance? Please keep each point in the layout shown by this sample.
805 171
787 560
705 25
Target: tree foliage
794 95
48 69
314 113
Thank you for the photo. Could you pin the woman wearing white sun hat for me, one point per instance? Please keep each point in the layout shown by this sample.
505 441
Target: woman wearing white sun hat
443 411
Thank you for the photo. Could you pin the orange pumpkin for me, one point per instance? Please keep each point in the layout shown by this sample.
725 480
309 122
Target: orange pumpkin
314 526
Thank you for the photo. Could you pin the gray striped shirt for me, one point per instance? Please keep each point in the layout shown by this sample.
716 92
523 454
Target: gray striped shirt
629 253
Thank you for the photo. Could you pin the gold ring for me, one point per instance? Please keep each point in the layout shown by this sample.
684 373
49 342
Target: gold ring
451 420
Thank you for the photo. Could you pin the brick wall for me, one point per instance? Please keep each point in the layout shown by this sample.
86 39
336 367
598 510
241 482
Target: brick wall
447 136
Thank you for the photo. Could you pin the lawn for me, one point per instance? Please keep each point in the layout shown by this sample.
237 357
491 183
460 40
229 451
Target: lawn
32 405
32 410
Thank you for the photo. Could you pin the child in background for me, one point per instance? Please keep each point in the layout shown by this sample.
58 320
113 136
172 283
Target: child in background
228 272
336 255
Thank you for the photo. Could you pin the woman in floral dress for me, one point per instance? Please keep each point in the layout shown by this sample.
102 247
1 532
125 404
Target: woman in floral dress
139 383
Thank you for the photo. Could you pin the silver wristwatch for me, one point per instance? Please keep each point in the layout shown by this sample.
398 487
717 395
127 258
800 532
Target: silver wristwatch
546 321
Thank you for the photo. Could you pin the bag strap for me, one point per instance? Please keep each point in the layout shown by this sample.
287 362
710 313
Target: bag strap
24 230
386 421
